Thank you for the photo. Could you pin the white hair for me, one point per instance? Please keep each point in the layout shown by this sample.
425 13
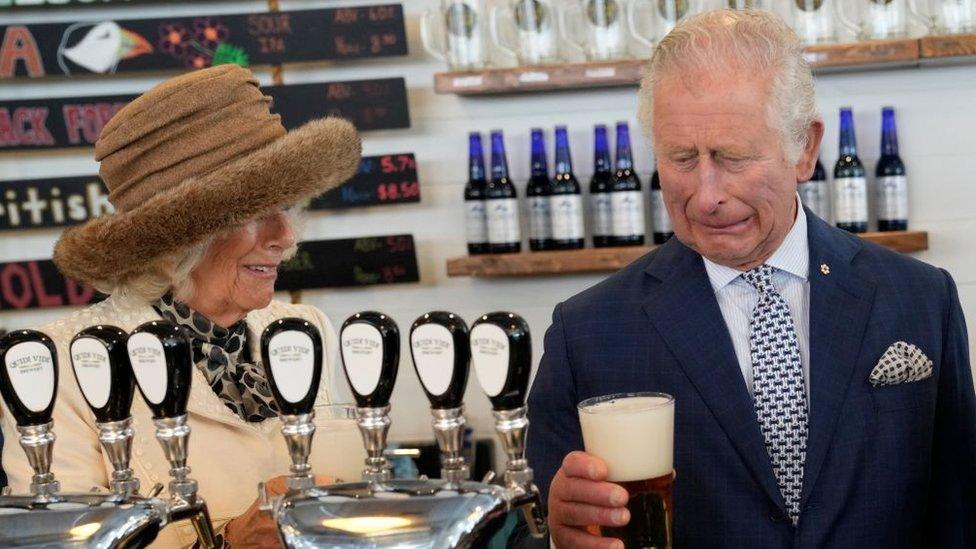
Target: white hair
174 272
749 42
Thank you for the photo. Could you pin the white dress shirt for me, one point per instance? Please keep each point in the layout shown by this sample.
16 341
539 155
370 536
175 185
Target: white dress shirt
737 298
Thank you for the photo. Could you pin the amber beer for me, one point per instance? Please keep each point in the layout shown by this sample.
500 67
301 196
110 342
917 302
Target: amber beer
634 434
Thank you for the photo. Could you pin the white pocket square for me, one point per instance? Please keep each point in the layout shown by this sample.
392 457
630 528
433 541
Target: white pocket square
901 363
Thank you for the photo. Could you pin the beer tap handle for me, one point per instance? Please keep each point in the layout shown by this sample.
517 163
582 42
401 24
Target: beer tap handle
291 351
370 344
442 356
29 384
100 362
161 358
501 350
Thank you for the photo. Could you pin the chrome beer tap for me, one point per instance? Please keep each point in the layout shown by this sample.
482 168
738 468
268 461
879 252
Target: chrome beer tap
291 352
370 344
29 383
442 356
501 351
100 362
162 361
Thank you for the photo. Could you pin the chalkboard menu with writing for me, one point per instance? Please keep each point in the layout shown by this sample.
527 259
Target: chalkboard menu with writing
182 43
77 122
351 262
66 201
38 284
388 179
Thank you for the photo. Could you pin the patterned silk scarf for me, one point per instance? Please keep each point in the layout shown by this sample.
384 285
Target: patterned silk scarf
223 356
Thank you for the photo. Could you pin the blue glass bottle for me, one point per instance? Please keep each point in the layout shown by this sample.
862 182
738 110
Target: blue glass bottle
504 232
850 183
600 188
626 197
476 219
660 219
566 199
537 192
892 183
814 194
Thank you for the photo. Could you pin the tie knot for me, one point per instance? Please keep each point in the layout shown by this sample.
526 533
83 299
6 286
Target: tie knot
760 277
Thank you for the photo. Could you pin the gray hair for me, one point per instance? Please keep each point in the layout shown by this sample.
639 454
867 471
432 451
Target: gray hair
753 41
174 272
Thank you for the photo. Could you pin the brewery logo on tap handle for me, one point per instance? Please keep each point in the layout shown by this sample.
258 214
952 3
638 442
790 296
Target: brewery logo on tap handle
501 351
162 361
370 343
100 362
29 377
442 356
291 351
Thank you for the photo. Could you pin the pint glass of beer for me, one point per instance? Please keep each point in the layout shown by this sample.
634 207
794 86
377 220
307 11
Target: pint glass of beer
634 434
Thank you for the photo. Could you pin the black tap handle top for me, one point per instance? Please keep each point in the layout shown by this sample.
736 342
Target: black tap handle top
442 357
370 344
162 362
29 376
291 351
100 361
501 350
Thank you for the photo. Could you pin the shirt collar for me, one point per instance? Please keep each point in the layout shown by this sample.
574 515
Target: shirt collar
792 256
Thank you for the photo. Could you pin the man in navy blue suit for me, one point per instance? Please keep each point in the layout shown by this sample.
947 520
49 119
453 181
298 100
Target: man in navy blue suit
823 389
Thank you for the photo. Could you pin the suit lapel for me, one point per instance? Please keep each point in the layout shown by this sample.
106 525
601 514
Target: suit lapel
840 304
683 309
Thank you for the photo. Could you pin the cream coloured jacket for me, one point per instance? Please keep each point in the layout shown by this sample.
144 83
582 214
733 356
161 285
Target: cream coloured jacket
227 455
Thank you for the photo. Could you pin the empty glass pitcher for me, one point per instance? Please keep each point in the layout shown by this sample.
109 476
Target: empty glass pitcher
814 20
596 28
533 24
875 19
455 33
946 16
665 14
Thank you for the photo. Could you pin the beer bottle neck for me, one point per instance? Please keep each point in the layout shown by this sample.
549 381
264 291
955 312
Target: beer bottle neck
564 161
540 166
889 133
499 163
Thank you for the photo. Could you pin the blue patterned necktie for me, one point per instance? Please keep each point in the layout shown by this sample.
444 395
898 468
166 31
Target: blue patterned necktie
780 391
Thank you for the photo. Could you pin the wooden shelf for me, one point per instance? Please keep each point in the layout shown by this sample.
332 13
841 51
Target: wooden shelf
597 260
866 55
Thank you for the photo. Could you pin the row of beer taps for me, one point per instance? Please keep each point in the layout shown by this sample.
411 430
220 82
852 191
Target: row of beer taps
156 357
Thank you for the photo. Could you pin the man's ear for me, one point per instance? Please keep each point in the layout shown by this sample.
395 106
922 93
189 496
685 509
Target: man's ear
808 157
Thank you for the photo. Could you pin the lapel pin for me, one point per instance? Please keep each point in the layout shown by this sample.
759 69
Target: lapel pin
824 268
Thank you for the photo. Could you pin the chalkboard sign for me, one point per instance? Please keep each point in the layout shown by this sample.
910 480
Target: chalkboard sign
66 201
77 122
351 262
69 3
389 179
38 284
181 43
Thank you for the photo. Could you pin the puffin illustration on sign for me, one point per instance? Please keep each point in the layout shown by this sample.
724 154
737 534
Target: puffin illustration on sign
100 48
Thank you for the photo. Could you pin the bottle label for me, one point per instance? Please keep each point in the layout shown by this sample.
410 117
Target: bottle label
851 200
892 195
503 221
292 357
476 221
30 369
567 216
149 365
659 213
602 223
90 361
627 213
539 218
813 195
362 356
489 353
433 356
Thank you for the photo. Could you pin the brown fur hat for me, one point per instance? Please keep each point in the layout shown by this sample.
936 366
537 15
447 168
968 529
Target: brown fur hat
196 155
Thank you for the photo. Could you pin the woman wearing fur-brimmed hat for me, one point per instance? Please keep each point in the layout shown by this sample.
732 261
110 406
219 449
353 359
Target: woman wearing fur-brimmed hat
202 177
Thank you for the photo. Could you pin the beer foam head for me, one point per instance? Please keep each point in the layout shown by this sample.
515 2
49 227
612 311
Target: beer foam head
633 434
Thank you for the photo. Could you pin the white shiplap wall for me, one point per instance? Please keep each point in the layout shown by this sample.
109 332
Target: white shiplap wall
935 117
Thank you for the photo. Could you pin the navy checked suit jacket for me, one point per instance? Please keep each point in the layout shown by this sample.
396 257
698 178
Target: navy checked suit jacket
886 467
